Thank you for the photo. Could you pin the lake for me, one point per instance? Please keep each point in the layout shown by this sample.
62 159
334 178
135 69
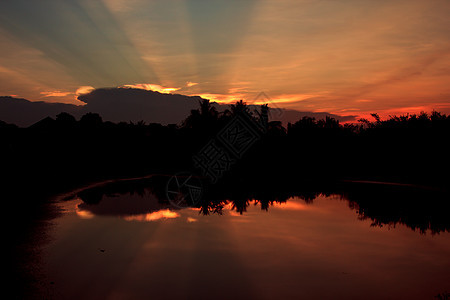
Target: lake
131 245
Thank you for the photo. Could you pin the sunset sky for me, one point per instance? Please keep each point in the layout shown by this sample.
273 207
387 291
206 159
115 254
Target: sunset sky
344 57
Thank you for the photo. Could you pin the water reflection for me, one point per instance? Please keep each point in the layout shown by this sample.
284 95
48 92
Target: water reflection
418 208
384 204
122 241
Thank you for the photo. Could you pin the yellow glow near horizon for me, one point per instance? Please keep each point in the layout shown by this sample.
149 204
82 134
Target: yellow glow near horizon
151 87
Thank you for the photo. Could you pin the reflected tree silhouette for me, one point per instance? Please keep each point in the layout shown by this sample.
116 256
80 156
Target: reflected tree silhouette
420 209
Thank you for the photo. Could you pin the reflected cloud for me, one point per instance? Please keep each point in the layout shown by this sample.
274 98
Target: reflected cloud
281 249
154 216
291 204
234 213
84 214
382 203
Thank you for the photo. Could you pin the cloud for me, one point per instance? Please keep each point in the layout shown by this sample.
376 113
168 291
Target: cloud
101 53
189 83
284 99
393 54
25 113
151 87
82 90
128 104
133 104
56 94
222 98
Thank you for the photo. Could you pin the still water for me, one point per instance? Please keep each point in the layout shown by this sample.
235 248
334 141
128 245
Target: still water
132 246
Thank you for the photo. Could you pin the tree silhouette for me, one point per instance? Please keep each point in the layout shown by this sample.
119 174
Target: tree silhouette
205 116
91 120
65 120
240 107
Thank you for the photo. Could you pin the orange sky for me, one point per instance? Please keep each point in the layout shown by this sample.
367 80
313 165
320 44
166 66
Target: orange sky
346 57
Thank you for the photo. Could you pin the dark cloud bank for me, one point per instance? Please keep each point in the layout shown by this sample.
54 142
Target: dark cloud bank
119 104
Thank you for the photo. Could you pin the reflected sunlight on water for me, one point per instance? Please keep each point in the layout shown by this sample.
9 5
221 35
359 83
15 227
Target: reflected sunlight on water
318 250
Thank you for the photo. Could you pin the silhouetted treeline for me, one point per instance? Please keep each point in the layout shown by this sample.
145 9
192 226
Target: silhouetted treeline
408 148
56 154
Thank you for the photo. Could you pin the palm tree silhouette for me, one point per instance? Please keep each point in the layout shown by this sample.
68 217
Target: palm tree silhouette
239 107
205 116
